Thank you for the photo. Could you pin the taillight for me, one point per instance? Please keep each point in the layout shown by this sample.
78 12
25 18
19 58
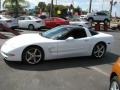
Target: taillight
38 21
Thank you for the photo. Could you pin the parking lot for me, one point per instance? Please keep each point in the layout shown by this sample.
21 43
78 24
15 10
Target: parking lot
82 73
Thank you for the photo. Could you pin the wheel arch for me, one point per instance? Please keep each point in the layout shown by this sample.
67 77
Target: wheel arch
101 42
91 18
31 24
112 75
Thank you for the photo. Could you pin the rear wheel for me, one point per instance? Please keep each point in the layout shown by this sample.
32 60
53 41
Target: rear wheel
115 83
106 21
99 50
32 55
31 27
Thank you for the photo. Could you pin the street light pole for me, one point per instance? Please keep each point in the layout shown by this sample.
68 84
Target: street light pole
90 6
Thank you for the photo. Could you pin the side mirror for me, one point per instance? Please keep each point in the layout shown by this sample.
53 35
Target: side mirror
70 38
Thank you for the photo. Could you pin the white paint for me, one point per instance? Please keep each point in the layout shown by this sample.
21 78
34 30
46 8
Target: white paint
100 71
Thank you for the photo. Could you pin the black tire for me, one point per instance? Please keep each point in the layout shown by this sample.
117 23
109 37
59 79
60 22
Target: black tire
31 27
96 52
35 55
114 81
106 21
90 20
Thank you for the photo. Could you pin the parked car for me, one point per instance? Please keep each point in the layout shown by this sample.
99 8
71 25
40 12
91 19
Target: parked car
80 22
30 22
98 16
55 21
8 21
43 17
115 76
59 42
83 16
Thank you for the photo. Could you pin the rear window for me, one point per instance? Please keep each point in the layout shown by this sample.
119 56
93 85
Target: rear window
93 32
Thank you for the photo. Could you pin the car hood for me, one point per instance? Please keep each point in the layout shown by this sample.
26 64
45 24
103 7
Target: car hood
26 39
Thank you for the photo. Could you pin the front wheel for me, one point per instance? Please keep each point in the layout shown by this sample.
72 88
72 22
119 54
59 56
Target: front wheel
99 50
115 83
32 55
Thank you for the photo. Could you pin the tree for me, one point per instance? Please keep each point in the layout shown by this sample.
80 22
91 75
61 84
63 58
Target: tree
42 6
112 3
15 6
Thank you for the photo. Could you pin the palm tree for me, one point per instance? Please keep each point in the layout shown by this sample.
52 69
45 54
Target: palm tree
14 5
112 3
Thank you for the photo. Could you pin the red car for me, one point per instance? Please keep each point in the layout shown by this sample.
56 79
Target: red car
55 21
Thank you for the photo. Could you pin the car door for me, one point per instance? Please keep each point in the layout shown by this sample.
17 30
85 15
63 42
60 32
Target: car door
77 46
21 22
49 23
99 16
96 16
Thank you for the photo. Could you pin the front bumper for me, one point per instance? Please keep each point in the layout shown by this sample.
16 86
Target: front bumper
3 56
8 57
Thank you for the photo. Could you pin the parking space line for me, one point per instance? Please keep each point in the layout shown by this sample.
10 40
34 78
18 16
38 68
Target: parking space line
100 71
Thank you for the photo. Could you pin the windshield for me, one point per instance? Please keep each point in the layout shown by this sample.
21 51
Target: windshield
56 33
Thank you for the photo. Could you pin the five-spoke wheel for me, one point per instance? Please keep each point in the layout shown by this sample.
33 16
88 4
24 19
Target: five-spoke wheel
99 50
32 55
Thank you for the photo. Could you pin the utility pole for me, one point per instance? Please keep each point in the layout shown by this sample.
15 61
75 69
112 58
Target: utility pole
51 9
90 6
111 8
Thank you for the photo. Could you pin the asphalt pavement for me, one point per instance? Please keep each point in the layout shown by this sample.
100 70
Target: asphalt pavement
82 73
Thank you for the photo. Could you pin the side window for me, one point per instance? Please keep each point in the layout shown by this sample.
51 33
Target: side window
21 18
27 18
101 13
78 33
98 13
92 32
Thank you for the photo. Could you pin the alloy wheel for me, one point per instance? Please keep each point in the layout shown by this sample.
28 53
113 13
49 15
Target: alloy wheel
114 86
33 56
99 50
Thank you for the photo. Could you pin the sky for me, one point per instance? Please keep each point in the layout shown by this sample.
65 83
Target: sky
97 5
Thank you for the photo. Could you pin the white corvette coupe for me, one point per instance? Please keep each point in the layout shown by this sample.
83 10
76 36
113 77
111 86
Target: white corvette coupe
60 42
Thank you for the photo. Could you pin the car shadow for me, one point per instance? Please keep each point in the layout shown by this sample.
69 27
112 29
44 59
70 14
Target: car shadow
84 62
